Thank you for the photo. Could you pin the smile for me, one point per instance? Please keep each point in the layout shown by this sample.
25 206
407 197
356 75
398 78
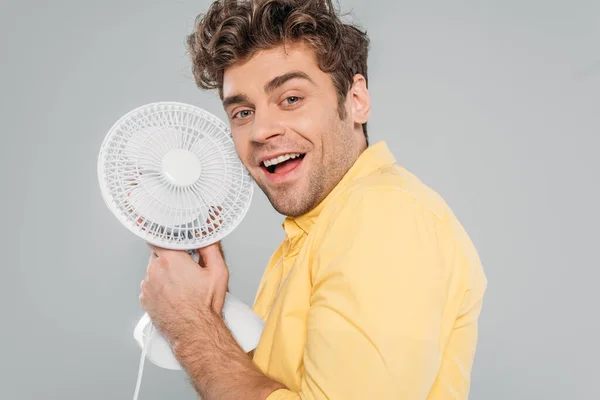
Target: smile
282 168
276 162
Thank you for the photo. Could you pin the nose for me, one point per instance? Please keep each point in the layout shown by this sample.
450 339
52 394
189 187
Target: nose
265 126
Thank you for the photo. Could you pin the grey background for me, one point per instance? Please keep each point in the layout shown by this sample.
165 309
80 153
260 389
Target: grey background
496 105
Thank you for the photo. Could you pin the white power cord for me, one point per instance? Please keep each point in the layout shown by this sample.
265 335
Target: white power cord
142 362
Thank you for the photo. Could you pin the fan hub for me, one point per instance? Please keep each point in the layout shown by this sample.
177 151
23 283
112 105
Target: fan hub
181 167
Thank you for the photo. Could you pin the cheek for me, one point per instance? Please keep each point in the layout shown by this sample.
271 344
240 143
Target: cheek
242 147
311 122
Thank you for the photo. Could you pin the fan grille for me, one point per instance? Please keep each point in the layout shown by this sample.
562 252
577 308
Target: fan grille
138 189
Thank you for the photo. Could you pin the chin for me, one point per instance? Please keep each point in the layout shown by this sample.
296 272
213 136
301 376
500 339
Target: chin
293 198
290 204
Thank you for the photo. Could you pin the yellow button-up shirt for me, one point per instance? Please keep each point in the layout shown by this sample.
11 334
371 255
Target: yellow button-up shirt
374 294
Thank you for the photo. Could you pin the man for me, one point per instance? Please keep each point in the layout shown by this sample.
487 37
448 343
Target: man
376 290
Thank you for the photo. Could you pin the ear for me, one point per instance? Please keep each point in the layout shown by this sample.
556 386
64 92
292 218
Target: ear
360 100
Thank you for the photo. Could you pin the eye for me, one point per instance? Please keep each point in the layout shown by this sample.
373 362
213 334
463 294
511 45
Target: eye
292 99
242 114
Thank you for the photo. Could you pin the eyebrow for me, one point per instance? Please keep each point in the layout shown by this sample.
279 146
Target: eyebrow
280 80
269 87
235 99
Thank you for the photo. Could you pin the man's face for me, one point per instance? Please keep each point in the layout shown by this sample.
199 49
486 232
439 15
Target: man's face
283 112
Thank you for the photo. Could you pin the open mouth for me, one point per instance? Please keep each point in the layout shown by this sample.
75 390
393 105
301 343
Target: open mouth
283 164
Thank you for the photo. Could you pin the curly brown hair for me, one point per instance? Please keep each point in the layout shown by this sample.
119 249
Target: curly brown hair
232 31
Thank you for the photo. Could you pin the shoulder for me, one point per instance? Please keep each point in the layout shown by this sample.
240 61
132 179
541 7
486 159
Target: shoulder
386 194
392 211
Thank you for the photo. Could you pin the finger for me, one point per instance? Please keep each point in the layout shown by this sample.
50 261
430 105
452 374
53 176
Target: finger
141 296
197 257
161 252
212 256
144 285
155 250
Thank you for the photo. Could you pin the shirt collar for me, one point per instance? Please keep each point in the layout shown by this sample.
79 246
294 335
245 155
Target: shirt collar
374 157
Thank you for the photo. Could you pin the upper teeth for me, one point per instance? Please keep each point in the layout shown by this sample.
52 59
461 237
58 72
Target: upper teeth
280 159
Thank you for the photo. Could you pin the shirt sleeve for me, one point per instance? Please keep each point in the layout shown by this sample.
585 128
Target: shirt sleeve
381 285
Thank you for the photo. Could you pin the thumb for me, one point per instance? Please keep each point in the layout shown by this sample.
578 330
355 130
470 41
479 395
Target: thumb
212 256
214 261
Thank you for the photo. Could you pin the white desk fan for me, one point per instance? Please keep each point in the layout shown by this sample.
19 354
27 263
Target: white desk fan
169 172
